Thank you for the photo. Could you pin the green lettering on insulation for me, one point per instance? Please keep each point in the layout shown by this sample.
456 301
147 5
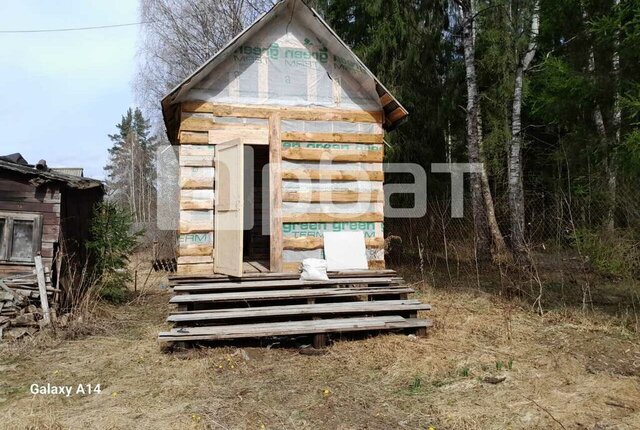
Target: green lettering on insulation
196 239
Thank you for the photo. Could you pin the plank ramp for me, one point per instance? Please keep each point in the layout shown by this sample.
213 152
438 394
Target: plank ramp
262 305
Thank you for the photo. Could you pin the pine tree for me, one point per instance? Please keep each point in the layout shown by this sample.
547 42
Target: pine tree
131 168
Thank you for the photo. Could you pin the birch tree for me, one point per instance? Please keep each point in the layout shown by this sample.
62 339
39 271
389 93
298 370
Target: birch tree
514 163
486 226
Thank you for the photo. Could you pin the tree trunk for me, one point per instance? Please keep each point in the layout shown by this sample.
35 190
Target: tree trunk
612 170
514 164
486 225
598 118
132 177
480 220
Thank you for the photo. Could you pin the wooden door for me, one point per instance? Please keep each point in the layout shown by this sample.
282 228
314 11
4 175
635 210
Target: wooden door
229 196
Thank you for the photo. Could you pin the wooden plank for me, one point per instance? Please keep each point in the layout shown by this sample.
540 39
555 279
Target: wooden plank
195 250
180 279
194 138
250 135
332 155
295 136
294 267
259 267
196 204
248 268
195 269
35 206
203 259
376 265
312 309
333 175
190 226
207 151
333 217
338 325
304 114
396 115
275 192
193 123
386 99
309 243
292 283
42 288
196 160
286 294
333 196
196 183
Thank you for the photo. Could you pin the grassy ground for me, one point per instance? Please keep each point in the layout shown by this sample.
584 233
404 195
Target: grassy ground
563 370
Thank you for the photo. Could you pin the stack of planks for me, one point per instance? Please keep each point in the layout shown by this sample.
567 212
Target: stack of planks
20 312
277 304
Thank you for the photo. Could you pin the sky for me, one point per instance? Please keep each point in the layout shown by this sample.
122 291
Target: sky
61 94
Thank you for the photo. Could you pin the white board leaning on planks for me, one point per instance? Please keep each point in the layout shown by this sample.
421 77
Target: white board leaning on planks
345 251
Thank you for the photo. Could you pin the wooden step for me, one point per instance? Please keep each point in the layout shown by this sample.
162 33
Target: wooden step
340 325
190 279
310 310
256 285
287 294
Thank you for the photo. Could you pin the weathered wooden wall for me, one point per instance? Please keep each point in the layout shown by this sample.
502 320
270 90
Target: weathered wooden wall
18 195
346 195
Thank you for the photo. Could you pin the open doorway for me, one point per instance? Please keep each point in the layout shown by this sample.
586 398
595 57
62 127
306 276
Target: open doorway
256 240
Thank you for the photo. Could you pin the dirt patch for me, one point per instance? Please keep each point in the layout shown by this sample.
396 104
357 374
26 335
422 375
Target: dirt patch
562 369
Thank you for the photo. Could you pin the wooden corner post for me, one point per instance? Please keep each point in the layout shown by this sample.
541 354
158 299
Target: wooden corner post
275 191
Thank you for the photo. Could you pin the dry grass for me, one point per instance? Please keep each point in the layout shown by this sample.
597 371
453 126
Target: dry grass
565 369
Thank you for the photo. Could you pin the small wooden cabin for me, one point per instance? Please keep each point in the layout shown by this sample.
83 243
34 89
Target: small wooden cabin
39 210
284 126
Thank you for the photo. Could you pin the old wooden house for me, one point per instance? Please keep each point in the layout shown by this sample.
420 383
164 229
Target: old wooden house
294 93
40 210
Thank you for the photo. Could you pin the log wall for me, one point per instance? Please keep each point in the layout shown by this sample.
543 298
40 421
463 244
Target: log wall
330 171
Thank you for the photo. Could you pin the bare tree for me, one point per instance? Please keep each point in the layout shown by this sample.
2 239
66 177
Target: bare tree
486 225
181 35
514 163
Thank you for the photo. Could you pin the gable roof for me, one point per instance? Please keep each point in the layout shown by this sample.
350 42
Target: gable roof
394 112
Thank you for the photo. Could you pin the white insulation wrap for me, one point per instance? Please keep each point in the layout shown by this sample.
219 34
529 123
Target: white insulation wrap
309 165
293 61
298 256
330 127
348 209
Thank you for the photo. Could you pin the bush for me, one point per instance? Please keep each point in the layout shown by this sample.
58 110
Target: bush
617 255
112 243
